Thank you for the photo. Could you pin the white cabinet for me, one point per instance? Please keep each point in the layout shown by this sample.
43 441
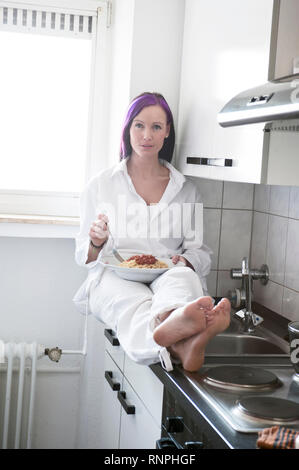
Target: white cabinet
110 406
229 47
131 406
147 386
138 430
285 38
114 349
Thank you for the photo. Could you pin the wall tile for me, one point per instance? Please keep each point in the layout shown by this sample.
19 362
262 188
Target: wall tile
269 295
292 255
259 239
279 200
212 283
226 283
276 247
210 190
261 197
294 202
290 304
234 238
211 219
237 195
274 239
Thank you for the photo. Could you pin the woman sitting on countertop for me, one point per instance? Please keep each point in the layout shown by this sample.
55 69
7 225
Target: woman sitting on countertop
151 208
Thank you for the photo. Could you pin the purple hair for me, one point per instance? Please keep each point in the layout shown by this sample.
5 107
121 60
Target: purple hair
135 107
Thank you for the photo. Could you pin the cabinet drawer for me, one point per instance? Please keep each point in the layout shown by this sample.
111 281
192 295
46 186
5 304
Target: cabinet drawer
113 347
138 430
147 386
116 376
110 406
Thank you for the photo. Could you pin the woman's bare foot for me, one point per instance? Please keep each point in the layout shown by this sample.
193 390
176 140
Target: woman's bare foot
191 350
183 322
218 319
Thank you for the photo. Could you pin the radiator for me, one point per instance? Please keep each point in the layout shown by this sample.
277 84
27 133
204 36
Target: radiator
17 358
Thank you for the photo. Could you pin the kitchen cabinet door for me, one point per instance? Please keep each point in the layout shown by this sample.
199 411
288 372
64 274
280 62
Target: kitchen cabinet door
226 50
138 430
147 386
113 347
110 406
285 40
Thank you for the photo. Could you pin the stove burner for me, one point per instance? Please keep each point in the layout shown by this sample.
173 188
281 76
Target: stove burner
269 408
296 378
241 377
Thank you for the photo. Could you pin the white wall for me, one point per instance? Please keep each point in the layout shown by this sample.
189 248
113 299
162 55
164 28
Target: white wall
157 48
146 47
120 43
38 279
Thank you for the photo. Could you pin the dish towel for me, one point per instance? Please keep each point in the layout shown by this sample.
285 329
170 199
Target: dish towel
2 352
278 437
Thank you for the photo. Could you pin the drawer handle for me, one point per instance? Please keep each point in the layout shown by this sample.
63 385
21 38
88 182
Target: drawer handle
109 377
210 161
174 424
167 443
111 337
129 409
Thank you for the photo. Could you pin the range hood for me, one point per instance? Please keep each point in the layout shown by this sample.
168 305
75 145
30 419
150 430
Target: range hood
276 100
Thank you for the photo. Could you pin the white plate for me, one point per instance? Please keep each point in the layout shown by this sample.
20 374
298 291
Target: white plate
136 274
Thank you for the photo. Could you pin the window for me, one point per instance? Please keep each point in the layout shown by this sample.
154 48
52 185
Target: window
47 112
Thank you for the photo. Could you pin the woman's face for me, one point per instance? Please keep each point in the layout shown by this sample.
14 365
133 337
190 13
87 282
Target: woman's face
148 131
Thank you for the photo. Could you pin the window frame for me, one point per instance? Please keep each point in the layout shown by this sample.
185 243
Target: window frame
66 204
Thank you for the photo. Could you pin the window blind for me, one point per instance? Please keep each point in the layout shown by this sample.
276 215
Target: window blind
47 21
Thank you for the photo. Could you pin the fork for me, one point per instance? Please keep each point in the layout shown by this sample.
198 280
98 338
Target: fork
114 250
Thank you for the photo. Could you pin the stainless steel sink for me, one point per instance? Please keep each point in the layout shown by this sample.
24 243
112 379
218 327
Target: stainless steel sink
238 344
234 342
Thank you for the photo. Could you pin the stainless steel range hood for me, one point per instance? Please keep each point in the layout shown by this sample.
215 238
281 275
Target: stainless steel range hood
276 100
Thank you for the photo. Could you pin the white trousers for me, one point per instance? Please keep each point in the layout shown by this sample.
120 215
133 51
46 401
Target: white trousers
130 308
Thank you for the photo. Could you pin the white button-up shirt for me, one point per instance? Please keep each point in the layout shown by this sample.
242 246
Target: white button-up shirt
171 227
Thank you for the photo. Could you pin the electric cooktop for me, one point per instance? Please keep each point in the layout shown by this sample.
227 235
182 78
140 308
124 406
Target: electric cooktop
250 397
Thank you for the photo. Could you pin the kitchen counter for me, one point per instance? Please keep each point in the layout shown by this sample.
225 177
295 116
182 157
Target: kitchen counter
224 437
220 433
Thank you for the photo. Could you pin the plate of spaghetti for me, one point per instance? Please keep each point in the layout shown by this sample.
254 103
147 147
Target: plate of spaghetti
141 267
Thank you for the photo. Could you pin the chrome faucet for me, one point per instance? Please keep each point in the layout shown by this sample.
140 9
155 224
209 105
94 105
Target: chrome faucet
243 296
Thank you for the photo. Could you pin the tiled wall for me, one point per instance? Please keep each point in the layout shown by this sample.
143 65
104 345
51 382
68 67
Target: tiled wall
258 221
275 241
227 228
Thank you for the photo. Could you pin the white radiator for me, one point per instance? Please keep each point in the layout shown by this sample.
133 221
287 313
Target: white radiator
17 407
16 357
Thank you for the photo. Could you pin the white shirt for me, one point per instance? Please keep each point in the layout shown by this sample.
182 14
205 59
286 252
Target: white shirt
171 227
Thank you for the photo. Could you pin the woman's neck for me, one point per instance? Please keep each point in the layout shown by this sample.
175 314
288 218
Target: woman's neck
145 168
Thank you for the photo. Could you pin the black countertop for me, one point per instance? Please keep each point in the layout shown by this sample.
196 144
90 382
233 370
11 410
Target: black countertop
224 436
